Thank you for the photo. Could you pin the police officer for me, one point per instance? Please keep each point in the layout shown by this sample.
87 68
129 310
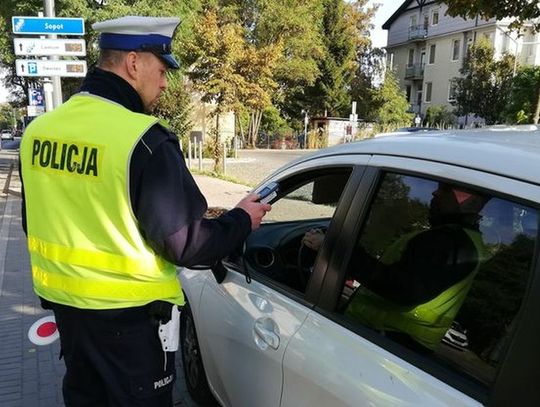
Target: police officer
414 290
109 209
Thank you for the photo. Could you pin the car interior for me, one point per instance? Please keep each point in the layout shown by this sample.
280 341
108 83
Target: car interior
304 202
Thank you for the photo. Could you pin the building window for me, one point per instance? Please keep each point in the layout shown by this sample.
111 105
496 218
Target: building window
390 60
426 21
410 60
429 87
435 17
456 44
412 21
408 93
452 89
432 54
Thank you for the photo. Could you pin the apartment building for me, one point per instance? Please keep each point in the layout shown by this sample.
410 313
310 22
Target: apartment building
426 48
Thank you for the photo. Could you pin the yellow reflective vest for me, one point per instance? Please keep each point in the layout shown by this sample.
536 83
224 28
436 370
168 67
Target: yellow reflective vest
85 247
426 323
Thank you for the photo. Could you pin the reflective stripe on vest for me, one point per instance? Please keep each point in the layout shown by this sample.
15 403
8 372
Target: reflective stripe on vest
425 323
85 246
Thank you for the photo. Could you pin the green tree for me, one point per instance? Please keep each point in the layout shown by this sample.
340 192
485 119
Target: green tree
330 94
91 11
370 65
520 108
522 11
229 71
10 116
440 116
213 55
174 106
273 125
293 27
392 106
485 86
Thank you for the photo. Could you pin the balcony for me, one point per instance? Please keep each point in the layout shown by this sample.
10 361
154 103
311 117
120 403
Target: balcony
414 72
417 33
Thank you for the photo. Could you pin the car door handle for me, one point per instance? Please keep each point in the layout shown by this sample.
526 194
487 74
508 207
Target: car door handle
264 334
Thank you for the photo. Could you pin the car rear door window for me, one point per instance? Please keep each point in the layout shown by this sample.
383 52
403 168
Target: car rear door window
442 270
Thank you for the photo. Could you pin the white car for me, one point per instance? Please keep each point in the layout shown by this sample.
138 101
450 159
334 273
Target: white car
6 135
284 329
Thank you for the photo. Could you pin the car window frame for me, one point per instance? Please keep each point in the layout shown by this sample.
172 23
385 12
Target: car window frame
359 210
311 295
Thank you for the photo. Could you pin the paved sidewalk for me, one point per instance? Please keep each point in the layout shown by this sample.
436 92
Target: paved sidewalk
31 375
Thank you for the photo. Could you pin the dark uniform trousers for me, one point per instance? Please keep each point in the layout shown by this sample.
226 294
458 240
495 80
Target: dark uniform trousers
114 357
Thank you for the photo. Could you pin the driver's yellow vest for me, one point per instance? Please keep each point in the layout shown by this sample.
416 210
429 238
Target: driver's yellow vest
85 247
426 323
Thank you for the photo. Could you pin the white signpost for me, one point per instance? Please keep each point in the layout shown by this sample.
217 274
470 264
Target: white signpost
38 67
51 47
32 111
46 46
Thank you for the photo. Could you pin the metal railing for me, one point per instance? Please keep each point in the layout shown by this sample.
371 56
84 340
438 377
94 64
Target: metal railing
415 71
417 32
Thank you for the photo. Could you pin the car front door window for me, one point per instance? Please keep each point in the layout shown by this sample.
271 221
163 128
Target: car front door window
306 202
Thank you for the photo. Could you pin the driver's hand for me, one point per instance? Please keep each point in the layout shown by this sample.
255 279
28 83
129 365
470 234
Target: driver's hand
313 239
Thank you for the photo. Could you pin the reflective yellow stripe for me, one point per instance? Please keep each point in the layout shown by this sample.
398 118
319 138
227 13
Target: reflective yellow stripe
128 289
94 259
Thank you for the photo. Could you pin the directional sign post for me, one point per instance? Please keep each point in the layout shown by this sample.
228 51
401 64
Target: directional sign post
38 67
50 47
48 25
42 46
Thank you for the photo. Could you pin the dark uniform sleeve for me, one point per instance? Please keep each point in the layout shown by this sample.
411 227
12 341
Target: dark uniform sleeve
169 206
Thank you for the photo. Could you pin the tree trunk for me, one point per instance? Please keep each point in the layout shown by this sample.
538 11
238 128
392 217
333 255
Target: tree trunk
537 108
257 123
254 124
218 152
242 137
251 133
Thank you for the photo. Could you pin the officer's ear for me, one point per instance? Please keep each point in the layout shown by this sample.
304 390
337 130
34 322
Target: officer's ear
132 64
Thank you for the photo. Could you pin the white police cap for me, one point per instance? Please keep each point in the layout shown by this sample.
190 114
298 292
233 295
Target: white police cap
137 33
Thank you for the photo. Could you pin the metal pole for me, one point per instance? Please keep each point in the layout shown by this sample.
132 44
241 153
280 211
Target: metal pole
189 153
200 156
47 92
305 129
48 6
224 158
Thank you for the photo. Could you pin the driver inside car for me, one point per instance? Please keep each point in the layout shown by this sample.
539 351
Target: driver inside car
413 291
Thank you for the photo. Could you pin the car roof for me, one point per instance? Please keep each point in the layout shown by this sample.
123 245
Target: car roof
509 151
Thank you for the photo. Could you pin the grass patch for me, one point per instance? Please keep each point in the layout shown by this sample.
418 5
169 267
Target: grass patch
223 177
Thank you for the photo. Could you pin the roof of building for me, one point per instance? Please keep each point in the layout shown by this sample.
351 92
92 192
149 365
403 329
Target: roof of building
404 6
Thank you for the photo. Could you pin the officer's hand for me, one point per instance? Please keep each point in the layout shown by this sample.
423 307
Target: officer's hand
254 209
313 239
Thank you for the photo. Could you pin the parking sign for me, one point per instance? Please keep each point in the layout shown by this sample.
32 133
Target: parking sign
35 97
32 68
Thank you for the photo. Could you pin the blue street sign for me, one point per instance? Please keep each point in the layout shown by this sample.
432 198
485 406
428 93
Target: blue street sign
36 97
32 68
47 25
